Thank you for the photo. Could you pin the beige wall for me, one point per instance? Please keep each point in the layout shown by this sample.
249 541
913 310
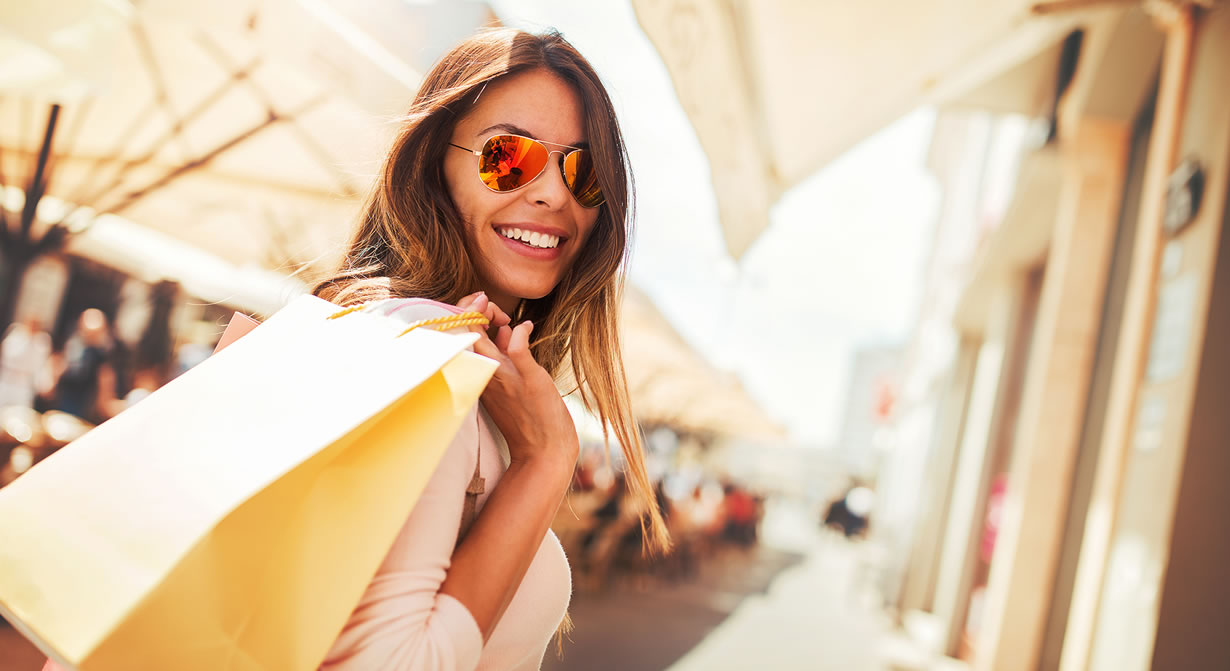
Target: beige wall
1127 365
1194 615
983 418
1164 595
1096 120
1085 468
1149 588
1056 388
923 570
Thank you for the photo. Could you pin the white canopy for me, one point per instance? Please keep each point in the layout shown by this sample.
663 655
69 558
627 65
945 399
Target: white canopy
248 128
778 88
671 384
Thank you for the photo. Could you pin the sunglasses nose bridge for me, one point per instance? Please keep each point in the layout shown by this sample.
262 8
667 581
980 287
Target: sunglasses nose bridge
560 162
552 182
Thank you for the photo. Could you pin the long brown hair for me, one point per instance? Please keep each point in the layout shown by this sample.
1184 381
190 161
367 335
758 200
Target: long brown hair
410 240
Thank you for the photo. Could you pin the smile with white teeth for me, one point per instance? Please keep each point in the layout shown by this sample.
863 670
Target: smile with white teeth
531 238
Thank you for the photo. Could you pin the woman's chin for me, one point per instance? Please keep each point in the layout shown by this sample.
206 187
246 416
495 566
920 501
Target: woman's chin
532 290
535 294
507 289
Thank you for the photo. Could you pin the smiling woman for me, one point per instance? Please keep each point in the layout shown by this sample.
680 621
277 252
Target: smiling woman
506 192
531 194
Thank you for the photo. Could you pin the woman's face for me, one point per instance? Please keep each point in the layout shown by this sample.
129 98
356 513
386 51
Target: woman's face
539 105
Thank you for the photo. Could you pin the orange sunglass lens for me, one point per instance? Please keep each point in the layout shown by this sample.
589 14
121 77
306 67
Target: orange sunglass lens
509 162
582 179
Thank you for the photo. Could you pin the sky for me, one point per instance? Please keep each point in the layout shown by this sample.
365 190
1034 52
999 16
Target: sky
839 267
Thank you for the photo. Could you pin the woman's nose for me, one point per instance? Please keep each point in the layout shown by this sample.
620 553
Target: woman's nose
549 189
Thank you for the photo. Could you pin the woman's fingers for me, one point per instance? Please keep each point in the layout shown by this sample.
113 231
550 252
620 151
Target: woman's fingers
498 317
480 302
467 303
519 346
492 350
485 347
476 302
493 313
507 377
511 344
502 335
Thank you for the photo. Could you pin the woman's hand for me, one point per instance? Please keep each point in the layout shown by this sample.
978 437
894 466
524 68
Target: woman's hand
478 302
522 398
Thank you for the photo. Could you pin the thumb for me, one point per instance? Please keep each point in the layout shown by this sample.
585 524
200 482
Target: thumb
519 345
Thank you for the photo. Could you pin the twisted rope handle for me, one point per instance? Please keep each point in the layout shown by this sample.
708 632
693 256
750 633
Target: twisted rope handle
352 308
448 322
443 323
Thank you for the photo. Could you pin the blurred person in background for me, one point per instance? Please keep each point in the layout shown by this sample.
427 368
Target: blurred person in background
145 381
851 512
608 512
697 521
612 522
85 378
25 364
505 192
742 515
587 468
190 355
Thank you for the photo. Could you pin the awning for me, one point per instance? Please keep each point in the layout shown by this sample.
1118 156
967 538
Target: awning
150 256
778 88
247 128
672 385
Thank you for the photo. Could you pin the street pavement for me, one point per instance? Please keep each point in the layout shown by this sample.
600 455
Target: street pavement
800 600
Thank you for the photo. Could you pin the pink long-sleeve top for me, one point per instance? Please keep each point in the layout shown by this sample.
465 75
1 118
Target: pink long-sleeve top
403 622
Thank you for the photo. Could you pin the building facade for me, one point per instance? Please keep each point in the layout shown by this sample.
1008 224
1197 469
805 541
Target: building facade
1073 478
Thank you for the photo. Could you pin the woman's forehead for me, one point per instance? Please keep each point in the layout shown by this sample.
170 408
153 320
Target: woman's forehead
537 103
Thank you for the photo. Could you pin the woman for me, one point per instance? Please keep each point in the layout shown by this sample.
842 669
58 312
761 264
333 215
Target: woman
505 192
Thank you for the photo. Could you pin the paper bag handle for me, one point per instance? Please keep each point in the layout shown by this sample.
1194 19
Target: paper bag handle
241 324
438 323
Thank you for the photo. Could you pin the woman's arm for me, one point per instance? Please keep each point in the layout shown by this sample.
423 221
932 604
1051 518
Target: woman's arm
523 401
432 605
489 564
403 622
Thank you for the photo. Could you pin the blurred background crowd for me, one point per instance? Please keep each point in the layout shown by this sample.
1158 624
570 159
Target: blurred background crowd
928 328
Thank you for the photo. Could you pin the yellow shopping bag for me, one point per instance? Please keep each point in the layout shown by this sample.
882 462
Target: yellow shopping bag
233 518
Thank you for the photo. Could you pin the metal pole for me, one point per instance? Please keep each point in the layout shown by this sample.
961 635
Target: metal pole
38 182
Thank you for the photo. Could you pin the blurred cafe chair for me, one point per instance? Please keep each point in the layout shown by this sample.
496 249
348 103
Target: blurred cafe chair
62 428
21 441
27 437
